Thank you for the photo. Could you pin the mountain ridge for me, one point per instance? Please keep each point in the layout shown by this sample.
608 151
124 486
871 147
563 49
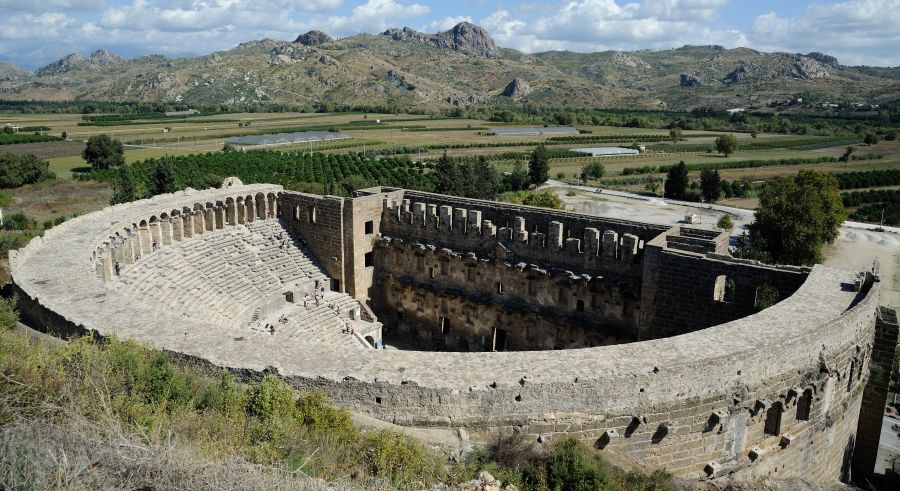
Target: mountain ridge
461 66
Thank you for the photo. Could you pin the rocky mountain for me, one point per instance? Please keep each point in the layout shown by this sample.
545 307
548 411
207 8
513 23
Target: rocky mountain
12 73
313 38
463 37
459 67
76 61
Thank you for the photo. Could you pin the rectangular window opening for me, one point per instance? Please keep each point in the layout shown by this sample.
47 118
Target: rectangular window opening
499 287
370 227
804 405
369 262
445 326
724 289
773 420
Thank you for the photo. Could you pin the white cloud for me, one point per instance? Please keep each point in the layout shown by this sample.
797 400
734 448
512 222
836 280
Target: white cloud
373 16
856 31
596 25
50 5
444 24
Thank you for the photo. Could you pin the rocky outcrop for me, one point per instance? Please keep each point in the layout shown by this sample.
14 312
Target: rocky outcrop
65 64
823 58
288 53
808 69
327 60
629 60
103 57
76 61
517 89
463 37
470 100
688 80
313 38
778 65
397 80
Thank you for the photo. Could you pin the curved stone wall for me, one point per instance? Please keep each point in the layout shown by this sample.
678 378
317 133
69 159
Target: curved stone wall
774 393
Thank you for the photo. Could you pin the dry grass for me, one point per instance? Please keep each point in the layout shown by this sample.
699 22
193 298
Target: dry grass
76 454
50 199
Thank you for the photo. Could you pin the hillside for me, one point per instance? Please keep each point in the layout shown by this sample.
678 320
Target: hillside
459 67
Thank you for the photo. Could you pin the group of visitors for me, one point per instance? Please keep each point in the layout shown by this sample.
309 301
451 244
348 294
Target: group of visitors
283 319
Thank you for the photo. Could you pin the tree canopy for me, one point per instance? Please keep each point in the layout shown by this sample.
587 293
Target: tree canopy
125 188
797 216
162 177
726 144
676 181
539 165
710 185
102 152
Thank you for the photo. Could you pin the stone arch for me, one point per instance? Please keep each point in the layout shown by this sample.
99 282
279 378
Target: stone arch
260 204
230 211
370 340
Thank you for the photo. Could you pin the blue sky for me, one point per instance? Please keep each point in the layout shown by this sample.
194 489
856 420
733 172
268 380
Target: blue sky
34 32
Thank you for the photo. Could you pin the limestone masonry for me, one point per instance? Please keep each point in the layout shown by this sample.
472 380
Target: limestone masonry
649 342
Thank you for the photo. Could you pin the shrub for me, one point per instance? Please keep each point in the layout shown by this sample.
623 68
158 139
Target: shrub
398 458
271 399
573 467
725 223
544 199
8 314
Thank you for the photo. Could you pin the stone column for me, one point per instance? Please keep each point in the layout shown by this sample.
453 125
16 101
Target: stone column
610 244
555 237
107 264
220 217
188 222
629 247
446 217
459 219
474 218
165 229
418 213
591 241
177 228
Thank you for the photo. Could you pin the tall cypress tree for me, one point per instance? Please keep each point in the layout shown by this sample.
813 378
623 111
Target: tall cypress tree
539 165
676 181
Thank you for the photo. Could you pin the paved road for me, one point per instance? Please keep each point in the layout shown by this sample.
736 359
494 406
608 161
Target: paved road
889 443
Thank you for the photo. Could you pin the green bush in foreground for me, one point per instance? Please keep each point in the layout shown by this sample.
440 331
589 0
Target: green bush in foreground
121 387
